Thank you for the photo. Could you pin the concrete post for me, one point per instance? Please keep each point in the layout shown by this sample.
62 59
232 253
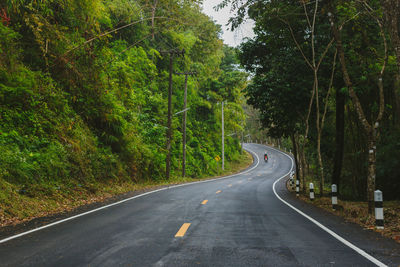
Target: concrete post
311 191
378 197
334 197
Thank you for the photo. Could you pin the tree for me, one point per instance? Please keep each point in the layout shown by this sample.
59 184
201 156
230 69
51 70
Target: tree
279 95
304 31
370 128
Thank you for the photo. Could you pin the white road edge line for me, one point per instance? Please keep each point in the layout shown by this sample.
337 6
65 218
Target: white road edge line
125 200
338 237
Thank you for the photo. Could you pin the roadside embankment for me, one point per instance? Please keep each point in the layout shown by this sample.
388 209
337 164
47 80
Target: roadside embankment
357 212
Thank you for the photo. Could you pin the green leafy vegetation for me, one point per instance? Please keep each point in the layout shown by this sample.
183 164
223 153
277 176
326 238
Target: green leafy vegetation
83 98
326 85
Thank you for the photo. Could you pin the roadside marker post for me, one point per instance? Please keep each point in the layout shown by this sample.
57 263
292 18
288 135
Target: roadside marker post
378 197
292 179
297 188
311 191
334 196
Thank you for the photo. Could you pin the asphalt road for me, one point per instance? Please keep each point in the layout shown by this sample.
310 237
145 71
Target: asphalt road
235 221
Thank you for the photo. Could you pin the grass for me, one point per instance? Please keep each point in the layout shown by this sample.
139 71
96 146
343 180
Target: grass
16 208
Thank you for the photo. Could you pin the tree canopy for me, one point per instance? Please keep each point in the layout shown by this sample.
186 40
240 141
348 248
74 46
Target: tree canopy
326 72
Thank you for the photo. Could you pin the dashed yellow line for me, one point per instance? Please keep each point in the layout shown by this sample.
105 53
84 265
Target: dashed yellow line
182 230
219 191
204 202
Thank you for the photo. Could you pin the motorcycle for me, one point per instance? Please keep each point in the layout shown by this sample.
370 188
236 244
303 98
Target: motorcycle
265 157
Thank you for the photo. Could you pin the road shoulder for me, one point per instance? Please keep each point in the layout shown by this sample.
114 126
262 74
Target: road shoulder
378 246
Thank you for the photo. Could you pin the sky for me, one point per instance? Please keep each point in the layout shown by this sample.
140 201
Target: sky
221 17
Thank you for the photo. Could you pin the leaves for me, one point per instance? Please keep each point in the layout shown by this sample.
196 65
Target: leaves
83 91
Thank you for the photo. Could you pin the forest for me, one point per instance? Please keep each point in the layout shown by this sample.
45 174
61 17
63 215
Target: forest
326 85
84 95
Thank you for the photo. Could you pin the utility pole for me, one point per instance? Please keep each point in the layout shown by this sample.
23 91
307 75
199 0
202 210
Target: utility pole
184 121
242 141
171 53
223 139
241 147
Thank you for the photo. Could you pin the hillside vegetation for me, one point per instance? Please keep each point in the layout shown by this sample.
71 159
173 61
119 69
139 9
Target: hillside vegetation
84 94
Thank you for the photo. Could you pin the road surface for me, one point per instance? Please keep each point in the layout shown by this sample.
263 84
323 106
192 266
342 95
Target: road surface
235 221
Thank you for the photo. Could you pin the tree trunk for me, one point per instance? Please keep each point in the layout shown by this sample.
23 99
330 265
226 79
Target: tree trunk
321 167
153 14
295 154
301 166
304 166
339 139
319 132
371 170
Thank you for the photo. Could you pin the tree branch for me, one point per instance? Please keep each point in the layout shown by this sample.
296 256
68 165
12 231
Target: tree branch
329 90
297 44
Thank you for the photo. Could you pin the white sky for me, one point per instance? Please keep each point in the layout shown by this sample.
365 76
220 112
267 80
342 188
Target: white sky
221 17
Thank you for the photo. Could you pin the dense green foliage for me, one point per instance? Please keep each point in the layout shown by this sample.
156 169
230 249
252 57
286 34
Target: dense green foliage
82 102
284 84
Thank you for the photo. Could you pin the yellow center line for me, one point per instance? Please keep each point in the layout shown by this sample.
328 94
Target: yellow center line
204 202
183 230
219 191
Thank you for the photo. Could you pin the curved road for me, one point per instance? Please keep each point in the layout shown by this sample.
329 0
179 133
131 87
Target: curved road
235 221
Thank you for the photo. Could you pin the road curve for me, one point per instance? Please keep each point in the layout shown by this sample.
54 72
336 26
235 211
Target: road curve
236 221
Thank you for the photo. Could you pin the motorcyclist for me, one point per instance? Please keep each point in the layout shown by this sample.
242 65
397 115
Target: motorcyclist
265 156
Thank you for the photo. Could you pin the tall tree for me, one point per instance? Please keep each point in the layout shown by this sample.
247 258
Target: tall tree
370 128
